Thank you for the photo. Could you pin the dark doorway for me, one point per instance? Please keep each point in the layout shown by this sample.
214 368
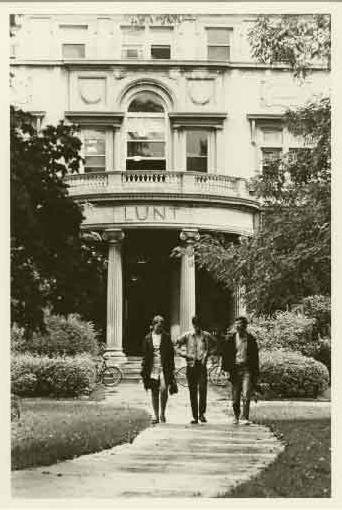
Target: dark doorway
147 284
214 303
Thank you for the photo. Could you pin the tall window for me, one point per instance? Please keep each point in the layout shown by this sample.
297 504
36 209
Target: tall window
271 145
146 133
197 150
219 43
74 39
161 38
132 42
94 148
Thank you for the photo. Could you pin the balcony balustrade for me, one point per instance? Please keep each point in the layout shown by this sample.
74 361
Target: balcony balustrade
157 182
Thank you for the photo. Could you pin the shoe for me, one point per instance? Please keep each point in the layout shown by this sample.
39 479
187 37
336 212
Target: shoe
155 421
235 421
202 418
244 421
194 422
162 419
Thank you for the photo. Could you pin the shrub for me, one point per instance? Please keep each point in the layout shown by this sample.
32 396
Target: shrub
64 336
18 341
286 374
286 330
63 376
323 353
319 308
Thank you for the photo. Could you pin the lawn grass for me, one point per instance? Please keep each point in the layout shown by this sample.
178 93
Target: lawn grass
52 430
303 469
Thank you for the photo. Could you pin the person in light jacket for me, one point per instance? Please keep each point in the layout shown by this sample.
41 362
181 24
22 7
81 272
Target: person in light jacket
198 345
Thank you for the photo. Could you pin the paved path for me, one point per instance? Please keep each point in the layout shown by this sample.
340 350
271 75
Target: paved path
175 459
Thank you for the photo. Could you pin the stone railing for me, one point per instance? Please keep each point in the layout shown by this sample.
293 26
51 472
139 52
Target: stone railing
157 182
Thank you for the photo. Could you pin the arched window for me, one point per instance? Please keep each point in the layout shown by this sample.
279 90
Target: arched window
146 133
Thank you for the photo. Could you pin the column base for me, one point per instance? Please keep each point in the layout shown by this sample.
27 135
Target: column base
115 357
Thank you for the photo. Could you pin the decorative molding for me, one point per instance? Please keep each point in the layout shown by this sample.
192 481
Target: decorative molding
92 89
201 90
194 119
113 235
113 119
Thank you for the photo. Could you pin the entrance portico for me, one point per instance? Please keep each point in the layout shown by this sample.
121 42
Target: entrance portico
141 229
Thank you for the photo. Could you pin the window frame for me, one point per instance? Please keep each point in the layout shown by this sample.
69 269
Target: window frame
218 45
74 44
206 157
108 136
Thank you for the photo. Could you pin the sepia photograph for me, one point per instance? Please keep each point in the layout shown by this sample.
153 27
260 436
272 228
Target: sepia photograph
170 252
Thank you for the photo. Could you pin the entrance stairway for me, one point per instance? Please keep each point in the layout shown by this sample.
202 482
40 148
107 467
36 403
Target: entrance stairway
132 367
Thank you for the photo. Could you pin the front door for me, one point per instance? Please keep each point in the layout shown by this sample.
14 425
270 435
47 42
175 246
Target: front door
148 272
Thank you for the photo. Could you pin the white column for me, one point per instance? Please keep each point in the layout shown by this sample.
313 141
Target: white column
187 277
114 238
239 302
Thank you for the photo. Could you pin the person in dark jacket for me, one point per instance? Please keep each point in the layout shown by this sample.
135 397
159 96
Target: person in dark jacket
158 365
240 358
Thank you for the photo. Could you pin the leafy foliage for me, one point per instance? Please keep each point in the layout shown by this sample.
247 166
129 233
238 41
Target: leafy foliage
289 257
288 374
61 376
297 40
63 336
286 330
51 264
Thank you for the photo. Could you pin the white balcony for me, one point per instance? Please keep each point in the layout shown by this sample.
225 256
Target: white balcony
158 182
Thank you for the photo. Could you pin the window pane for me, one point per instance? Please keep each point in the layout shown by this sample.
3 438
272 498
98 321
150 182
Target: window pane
219 53
146 102
94 146
218 36
270 155
272 136
160 52
73 50
131 51
197 143
196 164
145 128
98 161
146 164
161 35
146 149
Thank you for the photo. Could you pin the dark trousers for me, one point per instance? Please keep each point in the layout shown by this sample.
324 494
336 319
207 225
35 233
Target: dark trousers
197 381
241 387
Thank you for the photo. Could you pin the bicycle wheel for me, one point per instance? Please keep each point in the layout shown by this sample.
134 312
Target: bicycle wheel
217 377
111 376
181 377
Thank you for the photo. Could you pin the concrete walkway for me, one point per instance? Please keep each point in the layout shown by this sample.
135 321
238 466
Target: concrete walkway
174 459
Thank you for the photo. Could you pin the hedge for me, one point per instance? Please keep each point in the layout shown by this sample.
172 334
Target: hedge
63 336
286 330
286 374
62 376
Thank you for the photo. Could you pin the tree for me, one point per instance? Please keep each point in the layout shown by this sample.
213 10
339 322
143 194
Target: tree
51 265
289 257
297 40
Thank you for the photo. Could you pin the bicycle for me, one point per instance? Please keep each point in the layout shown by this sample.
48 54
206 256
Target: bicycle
108 375
216 376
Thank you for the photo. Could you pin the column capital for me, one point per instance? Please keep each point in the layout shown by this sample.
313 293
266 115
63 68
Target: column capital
113 235
189 236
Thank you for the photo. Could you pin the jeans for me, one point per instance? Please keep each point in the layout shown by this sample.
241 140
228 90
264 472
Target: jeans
241 386
197 381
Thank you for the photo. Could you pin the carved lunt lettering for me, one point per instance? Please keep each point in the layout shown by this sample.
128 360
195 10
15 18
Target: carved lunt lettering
142 213
159 212
149 213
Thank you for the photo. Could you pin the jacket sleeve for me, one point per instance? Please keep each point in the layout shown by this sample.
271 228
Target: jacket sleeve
256 359
143 371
